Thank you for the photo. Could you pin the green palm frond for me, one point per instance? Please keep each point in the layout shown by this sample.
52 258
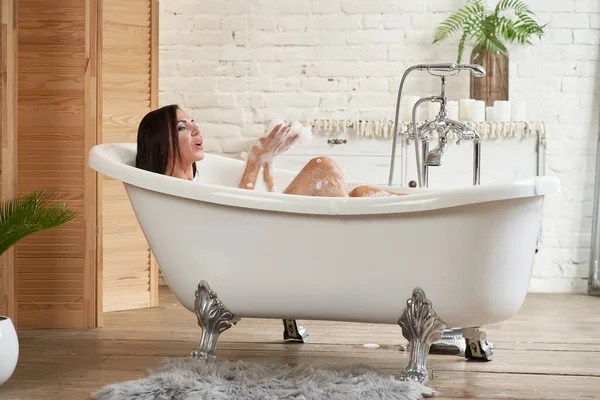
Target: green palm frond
456 20
28 214
517 5
489 28
469 32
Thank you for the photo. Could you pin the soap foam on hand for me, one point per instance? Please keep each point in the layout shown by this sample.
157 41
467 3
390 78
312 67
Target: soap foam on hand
304 132
273 123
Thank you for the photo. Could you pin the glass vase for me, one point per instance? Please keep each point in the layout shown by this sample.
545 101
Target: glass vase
493 86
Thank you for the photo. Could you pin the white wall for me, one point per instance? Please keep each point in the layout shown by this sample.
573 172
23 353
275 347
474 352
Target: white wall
235 63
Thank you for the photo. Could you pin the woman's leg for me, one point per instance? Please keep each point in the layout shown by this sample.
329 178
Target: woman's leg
321 176
372 191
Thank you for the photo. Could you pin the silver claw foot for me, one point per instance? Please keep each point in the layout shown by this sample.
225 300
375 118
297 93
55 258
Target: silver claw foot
478 347
294 332
213 318
421 327
452 342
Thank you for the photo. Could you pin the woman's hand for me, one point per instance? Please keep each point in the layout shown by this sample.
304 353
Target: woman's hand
278 141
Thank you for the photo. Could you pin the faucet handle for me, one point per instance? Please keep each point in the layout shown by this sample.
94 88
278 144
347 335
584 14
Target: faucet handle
407 134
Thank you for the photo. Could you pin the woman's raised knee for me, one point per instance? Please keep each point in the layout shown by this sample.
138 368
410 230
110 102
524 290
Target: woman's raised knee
324 162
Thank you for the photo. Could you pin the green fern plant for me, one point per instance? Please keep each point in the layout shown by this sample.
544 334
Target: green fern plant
28 214
510 20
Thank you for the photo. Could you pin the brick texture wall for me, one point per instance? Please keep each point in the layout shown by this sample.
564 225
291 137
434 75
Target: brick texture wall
235 63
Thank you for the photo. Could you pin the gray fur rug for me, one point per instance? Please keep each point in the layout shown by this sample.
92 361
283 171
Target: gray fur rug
188 379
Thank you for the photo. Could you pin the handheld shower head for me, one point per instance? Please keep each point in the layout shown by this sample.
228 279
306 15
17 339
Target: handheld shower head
476 69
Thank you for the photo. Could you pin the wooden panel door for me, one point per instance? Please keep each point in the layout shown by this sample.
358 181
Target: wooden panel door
56 127
8 134
129 46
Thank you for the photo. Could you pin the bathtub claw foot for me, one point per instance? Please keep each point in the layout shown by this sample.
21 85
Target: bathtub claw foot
421 327
294 332
478 348
214 318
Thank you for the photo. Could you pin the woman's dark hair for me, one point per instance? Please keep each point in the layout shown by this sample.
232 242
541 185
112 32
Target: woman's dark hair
157 133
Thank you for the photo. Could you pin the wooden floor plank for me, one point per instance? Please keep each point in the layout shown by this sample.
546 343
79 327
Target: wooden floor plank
455 385
550 350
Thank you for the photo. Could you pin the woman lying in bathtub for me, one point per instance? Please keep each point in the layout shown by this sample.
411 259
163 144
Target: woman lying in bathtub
170 143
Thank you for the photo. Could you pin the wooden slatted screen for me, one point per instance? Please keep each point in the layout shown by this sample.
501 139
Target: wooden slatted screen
8 109
56 127
129 64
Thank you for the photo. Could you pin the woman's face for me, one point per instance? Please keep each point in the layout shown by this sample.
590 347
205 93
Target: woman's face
190 139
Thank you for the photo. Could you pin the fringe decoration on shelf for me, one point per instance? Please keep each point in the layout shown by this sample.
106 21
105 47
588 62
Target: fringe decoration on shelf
383 129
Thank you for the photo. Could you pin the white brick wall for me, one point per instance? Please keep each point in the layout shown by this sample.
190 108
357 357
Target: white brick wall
235 63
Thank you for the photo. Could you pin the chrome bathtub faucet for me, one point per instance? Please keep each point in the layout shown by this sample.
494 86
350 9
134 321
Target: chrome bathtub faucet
442 125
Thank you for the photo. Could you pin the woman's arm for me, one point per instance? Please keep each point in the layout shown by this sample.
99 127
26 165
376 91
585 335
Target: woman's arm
261 155
268 176
248 180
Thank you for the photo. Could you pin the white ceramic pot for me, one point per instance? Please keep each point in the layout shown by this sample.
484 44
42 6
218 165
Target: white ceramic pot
9 349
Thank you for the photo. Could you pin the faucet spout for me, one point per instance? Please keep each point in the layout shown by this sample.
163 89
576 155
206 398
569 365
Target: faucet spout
434 157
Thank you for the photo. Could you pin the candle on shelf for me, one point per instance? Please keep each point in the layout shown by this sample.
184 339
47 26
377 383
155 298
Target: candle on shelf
518 111
477 110
464 109
489 114
502 110
452 109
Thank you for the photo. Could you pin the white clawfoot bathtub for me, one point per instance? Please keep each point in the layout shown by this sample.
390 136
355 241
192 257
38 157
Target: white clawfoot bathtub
272 255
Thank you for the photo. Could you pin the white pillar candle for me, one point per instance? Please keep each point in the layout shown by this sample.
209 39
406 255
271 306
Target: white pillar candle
489 114
452 109
502 110
518 111
477 110
464 109
432 110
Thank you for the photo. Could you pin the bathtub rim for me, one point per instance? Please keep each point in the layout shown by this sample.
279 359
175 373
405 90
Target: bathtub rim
107 159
